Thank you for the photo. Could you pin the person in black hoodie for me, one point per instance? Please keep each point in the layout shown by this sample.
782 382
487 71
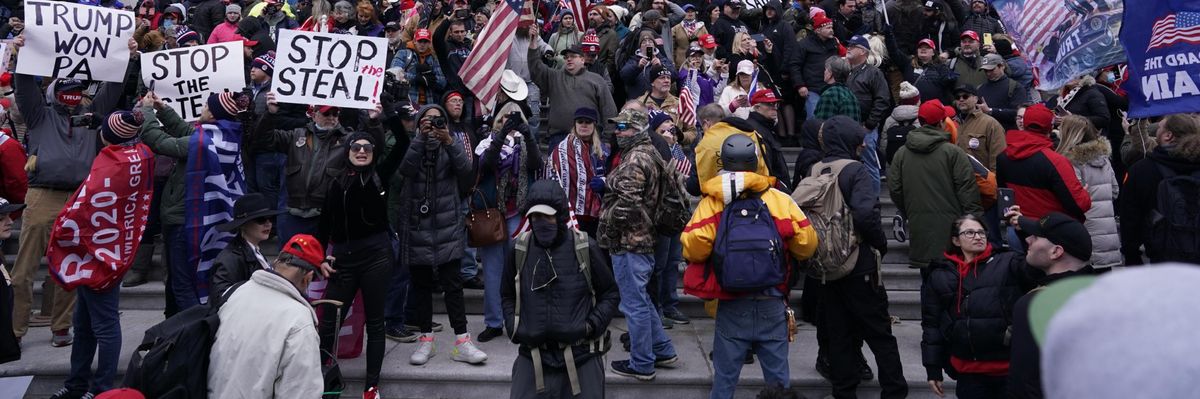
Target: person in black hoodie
1178 152
855 307
559 307
810 149
354 222
765 120
728 23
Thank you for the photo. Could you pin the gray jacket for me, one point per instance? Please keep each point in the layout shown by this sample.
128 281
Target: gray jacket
569 92
64 152
1094 170
433 179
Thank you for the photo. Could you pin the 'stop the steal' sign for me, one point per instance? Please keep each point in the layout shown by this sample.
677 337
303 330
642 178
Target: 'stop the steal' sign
65 40
329 69
184 77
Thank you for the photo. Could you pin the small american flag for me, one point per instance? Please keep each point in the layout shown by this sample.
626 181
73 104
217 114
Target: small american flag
679 160
687 107
1181 27
482 69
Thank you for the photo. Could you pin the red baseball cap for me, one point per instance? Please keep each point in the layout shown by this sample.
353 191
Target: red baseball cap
307 250
324 109
708 41
969 33
927 42
1038 119
933 112
763 97
121 393
820 20
423 34
249 43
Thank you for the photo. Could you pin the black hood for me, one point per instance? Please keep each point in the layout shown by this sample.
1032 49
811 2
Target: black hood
809 134
841 137
378 152
547 192
739 123
774 4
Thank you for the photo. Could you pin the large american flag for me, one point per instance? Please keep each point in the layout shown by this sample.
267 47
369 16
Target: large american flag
1181 27
482 70
1038 21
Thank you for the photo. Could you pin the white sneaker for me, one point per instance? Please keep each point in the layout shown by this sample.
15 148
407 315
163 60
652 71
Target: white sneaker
425 350
466 352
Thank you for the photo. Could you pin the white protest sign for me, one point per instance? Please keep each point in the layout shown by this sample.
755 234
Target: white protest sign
329 69
184 77
66 40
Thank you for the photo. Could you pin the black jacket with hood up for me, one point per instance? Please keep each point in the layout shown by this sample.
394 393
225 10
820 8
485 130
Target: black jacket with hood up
1139 194
810 150
842 137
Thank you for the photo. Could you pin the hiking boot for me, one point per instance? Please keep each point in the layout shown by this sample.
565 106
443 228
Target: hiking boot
676 317
40 320
134 279
426 350
466 352
621 367
62 338
666 362
401 334
489 333
65 393
437 327
473 283
372 393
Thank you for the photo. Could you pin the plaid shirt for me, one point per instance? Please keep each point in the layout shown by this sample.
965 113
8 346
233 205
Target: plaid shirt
837 100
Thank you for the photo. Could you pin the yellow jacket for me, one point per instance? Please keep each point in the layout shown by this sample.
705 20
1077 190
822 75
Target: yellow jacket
708 151
798 235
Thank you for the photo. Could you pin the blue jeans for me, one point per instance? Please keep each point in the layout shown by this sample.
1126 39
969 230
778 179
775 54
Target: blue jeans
745 325
289 225
394 313
668 253
870 158
181 274
493 257
97 337
810 105
647 340
470 267
268 177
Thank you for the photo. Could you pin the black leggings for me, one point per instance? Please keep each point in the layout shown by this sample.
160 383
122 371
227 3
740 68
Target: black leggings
364 264
422 297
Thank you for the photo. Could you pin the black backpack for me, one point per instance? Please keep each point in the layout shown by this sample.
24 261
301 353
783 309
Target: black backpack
1175 221
172 360
897 135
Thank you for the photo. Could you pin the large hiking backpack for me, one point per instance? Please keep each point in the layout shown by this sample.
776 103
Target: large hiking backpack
819 196
748 253
674 210
172 360
1175 220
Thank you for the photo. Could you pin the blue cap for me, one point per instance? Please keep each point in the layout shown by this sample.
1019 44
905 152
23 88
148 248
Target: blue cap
860 41
688 7
587 113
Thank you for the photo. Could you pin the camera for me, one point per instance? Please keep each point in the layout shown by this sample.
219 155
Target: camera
438 122
462 13
87 120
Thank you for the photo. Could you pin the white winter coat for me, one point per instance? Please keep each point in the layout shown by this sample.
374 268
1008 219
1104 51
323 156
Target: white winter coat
1094 170
267 345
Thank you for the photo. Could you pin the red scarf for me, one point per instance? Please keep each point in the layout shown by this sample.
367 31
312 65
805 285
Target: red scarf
98 231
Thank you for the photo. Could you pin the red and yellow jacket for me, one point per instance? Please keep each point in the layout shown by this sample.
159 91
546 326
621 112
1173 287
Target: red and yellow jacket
798 236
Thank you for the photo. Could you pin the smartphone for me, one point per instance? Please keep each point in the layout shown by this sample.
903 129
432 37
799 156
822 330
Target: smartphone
758 37
1005 199
648 52
987 39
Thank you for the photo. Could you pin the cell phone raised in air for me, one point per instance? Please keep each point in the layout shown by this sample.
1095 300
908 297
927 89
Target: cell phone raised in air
758 37
1005 199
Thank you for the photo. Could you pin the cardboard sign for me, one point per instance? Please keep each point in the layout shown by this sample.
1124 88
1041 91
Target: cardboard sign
329 69
185 77
72 41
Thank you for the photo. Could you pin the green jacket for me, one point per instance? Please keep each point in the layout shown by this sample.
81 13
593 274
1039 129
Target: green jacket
168 134
932 183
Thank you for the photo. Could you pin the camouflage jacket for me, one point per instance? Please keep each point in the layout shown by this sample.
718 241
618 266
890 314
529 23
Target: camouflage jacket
630 199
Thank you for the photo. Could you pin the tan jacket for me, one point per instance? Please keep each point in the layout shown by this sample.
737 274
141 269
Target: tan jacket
982 137
683 40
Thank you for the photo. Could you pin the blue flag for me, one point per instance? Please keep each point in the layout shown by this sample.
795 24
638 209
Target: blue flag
1162 42
214 179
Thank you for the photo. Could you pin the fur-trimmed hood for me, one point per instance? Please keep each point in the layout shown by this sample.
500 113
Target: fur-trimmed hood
1186 147
1094 152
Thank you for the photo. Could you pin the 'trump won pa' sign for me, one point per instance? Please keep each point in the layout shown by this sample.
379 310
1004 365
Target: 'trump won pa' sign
65 40
329 69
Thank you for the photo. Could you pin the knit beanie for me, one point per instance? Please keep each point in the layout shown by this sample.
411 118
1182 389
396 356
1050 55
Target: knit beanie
233 8
121 127
265 62
657 118
226 105
184 35
909 95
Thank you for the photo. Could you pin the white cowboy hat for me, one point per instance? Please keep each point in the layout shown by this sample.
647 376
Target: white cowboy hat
513 86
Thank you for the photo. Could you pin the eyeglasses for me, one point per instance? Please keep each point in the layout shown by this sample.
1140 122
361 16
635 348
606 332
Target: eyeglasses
262 220
356 147
973 234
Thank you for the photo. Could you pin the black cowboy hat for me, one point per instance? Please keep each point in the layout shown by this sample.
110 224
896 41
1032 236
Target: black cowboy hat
249 207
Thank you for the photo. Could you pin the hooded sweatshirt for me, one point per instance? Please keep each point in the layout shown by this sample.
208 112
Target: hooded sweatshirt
1042 180
932 183
841 136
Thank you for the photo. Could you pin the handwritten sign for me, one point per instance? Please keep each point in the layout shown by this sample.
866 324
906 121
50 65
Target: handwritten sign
185 77
72 41
329 69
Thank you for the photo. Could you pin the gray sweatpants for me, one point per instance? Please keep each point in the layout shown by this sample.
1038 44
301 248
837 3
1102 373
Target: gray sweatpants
591 380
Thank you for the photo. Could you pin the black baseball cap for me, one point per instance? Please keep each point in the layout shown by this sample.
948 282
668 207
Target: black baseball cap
576 49
1062 230
8 207
965 88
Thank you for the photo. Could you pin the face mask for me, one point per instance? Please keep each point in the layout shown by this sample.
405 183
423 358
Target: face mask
168 24
544 231
70 98
1109 77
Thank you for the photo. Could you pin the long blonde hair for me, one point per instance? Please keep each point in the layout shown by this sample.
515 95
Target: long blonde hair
738 38
1074 130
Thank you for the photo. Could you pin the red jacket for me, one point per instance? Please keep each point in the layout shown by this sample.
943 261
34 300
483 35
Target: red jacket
1042 180
12 170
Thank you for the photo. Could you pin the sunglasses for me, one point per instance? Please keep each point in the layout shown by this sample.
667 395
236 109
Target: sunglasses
587 121
964 96
356 147
262 220
624 126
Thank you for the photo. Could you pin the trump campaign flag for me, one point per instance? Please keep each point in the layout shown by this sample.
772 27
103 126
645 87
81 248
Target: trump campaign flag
1162 42
1064 39
213 181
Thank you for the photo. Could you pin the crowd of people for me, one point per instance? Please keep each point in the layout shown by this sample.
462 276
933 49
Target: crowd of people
564 198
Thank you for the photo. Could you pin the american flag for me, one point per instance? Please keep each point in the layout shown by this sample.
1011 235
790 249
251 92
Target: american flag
679 160
1181 27
482 70
1038 21
687 107
577 7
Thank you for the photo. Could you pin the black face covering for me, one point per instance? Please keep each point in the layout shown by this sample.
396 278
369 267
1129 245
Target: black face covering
545 232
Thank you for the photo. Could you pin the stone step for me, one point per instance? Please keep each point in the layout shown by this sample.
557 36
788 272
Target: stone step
443 378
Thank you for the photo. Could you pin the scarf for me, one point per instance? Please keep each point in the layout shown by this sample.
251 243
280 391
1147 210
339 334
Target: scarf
511 169
573 167
690 27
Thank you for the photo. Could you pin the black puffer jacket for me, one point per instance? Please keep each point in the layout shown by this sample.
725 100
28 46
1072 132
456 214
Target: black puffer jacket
807 62
773 151
966 308
436 176
562 312
1089 102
